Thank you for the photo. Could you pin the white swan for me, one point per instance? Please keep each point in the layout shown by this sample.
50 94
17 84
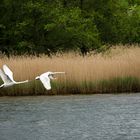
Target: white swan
45 78
7 76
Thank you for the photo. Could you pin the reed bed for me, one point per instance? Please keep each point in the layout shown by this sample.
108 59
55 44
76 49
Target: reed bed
116 70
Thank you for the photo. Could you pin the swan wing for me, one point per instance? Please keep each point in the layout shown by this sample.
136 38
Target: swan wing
4 77
46 82
8 72
58 73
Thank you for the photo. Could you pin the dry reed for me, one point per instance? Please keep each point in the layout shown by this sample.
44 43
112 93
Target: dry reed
89 74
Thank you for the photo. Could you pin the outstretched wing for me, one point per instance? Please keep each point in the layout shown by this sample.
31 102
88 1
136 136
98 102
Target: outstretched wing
8 72
58 73
46 82
4 77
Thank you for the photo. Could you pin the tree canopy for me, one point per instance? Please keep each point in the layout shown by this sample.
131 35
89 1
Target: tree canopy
46 26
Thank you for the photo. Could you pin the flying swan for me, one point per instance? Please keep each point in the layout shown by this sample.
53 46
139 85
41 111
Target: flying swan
7 76
46 77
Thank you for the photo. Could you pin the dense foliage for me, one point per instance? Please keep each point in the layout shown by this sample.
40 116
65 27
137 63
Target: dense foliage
50 26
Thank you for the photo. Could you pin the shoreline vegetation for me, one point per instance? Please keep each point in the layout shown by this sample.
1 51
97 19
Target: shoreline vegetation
117 70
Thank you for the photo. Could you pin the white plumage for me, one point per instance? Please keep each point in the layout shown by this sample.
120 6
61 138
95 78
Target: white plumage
7 76
46 77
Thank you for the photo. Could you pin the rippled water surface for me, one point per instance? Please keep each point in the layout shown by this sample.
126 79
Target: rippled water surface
94 117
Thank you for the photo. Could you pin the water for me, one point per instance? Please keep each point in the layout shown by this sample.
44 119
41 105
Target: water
94 117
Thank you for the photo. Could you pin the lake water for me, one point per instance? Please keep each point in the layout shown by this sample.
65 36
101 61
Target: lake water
92 117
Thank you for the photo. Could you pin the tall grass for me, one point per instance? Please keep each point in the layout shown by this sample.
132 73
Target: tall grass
116 70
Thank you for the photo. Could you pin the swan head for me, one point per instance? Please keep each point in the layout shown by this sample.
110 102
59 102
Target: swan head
37 78
2 86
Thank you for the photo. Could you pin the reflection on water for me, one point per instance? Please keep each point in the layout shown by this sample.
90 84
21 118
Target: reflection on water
96 117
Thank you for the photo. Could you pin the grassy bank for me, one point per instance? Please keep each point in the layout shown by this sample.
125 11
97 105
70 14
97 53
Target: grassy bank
117 70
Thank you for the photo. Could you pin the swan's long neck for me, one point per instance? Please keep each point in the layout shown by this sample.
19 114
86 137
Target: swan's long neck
21 82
